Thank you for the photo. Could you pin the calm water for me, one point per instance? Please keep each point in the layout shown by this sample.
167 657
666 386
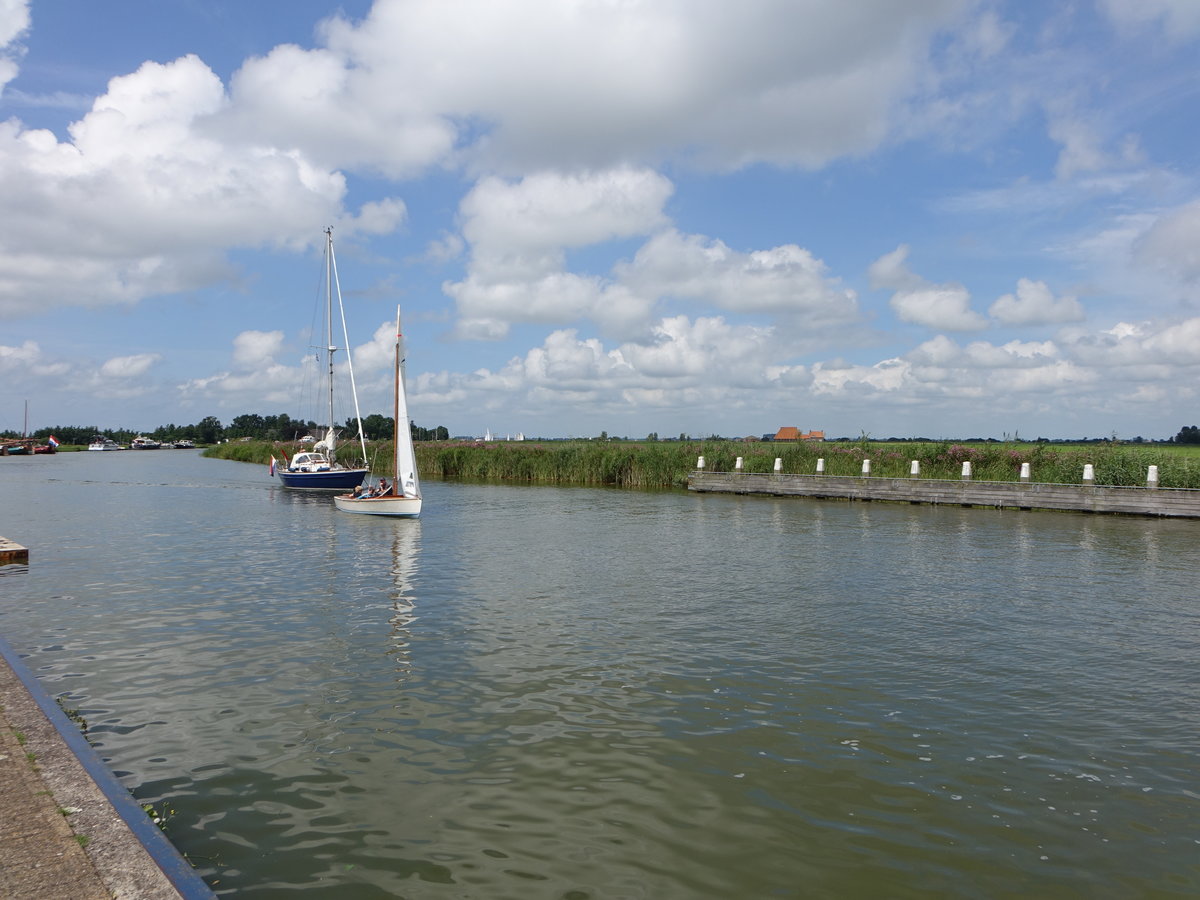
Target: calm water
545 693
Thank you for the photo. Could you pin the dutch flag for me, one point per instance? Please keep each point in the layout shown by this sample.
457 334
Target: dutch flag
272 468
53 441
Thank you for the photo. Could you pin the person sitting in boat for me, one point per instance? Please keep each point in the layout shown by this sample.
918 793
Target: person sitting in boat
383 487
359 492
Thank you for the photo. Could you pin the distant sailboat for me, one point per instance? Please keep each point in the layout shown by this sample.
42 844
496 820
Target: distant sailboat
319 469
403 496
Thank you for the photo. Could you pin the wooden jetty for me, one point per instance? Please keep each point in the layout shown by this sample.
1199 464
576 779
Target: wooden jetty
12 552
1092 498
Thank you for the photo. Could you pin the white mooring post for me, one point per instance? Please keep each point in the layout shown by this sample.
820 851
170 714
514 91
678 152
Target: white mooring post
866 467
1152 477
778 465
914 469
737 466
1024 473
820 467
966 473
700 463
1089 474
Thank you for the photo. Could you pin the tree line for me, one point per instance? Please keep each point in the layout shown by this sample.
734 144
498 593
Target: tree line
209 430
1188 434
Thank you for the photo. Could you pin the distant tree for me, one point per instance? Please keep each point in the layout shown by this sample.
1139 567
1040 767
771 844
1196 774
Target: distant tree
209 430
1188 434
652 436
378 427
603 436
246 425
282 428
441 433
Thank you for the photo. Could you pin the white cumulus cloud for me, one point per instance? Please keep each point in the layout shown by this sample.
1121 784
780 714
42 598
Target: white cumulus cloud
122 367
1035 304
253 348
941 307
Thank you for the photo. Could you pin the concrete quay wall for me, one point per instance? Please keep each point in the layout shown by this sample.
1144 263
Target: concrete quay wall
1137 501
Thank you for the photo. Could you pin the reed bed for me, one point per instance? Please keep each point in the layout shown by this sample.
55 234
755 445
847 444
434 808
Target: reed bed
667 464
1115 464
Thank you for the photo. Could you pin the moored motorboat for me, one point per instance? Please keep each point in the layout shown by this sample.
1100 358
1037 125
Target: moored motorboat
100 442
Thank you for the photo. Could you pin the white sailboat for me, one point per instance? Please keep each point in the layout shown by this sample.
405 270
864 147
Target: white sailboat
319 469
403 496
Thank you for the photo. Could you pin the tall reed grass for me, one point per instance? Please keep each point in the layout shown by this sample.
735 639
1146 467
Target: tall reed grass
668 463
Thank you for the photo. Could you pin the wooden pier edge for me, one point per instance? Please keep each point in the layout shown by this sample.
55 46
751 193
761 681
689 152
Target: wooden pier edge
1136 501
12 552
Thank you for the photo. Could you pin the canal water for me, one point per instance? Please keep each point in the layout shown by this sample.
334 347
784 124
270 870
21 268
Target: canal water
538 692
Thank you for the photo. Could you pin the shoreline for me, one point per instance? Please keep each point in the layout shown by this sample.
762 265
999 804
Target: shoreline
70 828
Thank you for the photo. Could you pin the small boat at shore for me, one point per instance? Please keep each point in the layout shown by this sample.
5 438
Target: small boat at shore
28 445
104 443
403 496
144 443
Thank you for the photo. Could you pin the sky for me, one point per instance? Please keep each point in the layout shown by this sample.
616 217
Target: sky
936 218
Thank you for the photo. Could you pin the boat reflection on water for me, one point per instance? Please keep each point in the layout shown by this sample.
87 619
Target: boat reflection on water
406 549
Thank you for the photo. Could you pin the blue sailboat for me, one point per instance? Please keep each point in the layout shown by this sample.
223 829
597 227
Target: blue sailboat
319 468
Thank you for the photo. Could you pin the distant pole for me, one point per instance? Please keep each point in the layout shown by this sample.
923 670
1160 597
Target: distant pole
966 472
866 467
914 469
820 467
1024 473
778 465
1152 477
700 463
1089 474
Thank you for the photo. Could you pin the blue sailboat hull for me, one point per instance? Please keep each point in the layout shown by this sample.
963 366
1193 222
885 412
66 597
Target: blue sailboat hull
330 480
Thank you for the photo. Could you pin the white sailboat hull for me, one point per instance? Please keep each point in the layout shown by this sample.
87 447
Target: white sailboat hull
379 506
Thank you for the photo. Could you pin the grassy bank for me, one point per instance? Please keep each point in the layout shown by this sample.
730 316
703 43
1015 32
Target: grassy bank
667 464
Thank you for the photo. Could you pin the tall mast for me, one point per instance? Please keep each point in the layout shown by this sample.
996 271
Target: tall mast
397 484
329 330
337 289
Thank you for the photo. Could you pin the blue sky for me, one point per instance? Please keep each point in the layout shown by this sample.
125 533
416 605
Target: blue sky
937 218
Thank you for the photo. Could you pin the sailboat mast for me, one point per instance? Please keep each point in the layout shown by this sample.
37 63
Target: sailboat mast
329 331
337 289
396 410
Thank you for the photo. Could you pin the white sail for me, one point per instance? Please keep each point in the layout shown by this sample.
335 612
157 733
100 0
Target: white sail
406 457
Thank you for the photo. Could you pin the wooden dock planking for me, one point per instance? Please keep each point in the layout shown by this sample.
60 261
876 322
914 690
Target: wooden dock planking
1137 501
12 552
